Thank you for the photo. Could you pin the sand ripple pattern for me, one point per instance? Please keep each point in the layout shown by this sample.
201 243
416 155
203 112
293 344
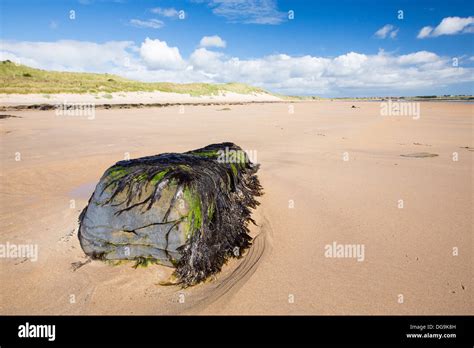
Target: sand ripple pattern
229 282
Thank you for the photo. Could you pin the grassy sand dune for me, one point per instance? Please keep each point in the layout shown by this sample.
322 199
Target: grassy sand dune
21 79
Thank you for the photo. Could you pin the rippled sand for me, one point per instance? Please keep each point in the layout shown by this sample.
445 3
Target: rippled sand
331 174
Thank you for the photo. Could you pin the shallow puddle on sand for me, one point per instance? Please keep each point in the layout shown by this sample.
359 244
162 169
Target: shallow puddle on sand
83 191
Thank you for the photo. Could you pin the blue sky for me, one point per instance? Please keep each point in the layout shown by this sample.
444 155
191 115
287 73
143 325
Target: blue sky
329 48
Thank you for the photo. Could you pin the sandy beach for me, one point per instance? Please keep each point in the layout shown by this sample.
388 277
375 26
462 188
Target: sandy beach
331 174
133 98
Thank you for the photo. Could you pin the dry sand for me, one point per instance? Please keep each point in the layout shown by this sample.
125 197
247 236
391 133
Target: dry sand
408 251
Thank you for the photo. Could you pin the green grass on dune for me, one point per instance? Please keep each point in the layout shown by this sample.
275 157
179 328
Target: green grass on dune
22 79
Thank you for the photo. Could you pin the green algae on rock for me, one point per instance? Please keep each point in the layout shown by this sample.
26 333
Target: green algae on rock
189 211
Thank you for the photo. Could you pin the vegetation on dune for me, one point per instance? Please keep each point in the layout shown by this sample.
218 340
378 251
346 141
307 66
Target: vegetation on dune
15 78
21 79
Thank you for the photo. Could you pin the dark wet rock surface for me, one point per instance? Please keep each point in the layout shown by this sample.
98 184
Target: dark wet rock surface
189 210
420 155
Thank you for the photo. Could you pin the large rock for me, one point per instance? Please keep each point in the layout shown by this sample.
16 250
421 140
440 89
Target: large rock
187 210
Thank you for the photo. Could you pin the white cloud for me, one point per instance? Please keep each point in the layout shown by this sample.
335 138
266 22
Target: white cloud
453 25
70 55
158 55
165 12
248 11
424 32
420 57
149 23
449 26
206 60
387 30
212 41
352 73
342 75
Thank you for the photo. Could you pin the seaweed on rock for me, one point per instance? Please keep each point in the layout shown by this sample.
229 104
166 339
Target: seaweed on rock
218 193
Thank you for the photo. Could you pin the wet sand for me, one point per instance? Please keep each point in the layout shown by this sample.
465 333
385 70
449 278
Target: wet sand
331 173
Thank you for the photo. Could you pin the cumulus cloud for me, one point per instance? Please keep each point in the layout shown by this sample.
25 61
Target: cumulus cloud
352 73
248 11
206 60
347 74
71 55
165 12
212 41
424 32
149 23
448 26
387 30
420 57
158 55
